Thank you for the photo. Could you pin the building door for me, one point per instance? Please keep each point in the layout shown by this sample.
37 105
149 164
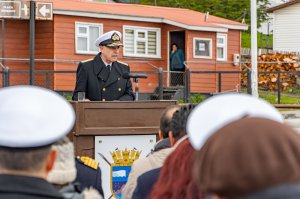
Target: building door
176 66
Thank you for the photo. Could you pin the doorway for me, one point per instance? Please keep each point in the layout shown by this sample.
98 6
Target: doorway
176 67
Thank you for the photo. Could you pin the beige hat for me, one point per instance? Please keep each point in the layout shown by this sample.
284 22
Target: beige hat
64 169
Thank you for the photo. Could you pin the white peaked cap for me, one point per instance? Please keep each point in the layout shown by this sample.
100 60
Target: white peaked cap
33 117
112 37
220 110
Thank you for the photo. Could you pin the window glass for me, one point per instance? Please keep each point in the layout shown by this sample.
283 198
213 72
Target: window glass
202 48
141 42
86 35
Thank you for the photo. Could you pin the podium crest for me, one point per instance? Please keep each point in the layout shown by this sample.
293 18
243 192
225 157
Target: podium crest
120 169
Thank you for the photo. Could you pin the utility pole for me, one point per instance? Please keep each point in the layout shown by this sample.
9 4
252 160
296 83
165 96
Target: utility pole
254 82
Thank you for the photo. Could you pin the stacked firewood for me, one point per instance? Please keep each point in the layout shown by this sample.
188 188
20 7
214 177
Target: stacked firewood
274 63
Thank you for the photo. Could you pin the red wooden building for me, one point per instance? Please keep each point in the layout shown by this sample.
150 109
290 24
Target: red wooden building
208 42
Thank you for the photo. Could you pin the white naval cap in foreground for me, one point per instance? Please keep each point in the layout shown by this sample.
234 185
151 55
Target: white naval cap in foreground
220 110
33 117
111 38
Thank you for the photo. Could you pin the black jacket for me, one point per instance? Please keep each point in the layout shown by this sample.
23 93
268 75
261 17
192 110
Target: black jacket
145 184
99 84
25 187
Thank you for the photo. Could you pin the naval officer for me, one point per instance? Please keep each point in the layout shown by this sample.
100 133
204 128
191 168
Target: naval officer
32 119
101 78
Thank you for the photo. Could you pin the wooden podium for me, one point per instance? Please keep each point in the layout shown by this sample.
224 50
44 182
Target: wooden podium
113 118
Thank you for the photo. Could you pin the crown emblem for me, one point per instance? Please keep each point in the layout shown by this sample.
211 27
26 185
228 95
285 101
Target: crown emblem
125 157
115 37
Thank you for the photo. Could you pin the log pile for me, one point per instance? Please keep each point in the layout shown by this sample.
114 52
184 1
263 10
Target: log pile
274 63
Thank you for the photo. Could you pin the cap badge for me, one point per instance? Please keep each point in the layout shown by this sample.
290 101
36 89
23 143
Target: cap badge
115 37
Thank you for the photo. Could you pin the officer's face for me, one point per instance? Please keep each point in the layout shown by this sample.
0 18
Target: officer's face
109 53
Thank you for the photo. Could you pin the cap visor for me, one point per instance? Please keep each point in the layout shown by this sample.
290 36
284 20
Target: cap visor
115 44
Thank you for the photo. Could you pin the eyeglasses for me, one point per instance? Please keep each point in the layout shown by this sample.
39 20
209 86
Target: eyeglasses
113 47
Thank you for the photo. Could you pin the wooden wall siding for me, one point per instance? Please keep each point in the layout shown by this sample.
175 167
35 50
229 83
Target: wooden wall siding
16 46
209 82
64 48
287 28
201 82
44 49
231 82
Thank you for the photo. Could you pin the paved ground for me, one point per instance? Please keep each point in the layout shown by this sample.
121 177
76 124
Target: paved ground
292 118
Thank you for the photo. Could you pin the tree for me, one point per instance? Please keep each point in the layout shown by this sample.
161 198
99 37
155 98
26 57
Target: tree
229 9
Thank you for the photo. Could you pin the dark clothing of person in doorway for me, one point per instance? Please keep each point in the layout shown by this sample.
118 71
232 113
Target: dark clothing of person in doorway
101 84
176 65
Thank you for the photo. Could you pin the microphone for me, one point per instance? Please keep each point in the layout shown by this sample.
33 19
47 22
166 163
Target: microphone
127 75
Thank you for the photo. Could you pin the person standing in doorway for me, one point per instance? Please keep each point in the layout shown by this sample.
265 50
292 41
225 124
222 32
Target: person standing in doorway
176 65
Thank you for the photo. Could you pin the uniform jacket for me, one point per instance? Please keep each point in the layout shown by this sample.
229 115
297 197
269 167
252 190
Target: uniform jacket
94 78
141 166
25 187
88 177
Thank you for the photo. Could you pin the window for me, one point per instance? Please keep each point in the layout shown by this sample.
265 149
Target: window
85 37
141 42
202 48
221 47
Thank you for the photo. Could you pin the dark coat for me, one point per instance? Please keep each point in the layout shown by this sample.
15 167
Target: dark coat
145 184
25 187
88 177
99 84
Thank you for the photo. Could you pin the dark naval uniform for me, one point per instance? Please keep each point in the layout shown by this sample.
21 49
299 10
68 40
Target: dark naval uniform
101 84
88 174
26 187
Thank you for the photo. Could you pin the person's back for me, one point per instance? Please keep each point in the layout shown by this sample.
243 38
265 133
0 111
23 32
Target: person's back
26 135
177 134
88 174
64 173
155 159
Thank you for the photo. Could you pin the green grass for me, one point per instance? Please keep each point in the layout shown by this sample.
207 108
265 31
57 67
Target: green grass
285 98
292 96
67 96
246 40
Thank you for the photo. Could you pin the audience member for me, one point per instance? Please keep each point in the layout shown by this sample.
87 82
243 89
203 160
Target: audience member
32 119
175 178
64 172
155 159
245 150
252 158
177 134
219 110
88 173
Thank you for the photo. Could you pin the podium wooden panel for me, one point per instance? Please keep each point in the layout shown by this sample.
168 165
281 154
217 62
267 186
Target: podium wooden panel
114 118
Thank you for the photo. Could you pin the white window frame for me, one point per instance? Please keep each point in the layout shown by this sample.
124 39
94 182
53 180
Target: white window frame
77 34
224 46
194 47
145 30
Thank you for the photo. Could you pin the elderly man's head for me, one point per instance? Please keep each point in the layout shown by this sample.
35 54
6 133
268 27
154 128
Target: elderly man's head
32 119
109 45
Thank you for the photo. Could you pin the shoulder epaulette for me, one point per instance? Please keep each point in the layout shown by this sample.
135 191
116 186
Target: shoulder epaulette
122 63
86 60
90 162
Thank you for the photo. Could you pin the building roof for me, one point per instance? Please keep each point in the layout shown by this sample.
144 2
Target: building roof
283 5
185 18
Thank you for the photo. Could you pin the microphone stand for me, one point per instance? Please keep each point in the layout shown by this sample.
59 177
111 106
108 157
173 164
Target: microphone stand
136 88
